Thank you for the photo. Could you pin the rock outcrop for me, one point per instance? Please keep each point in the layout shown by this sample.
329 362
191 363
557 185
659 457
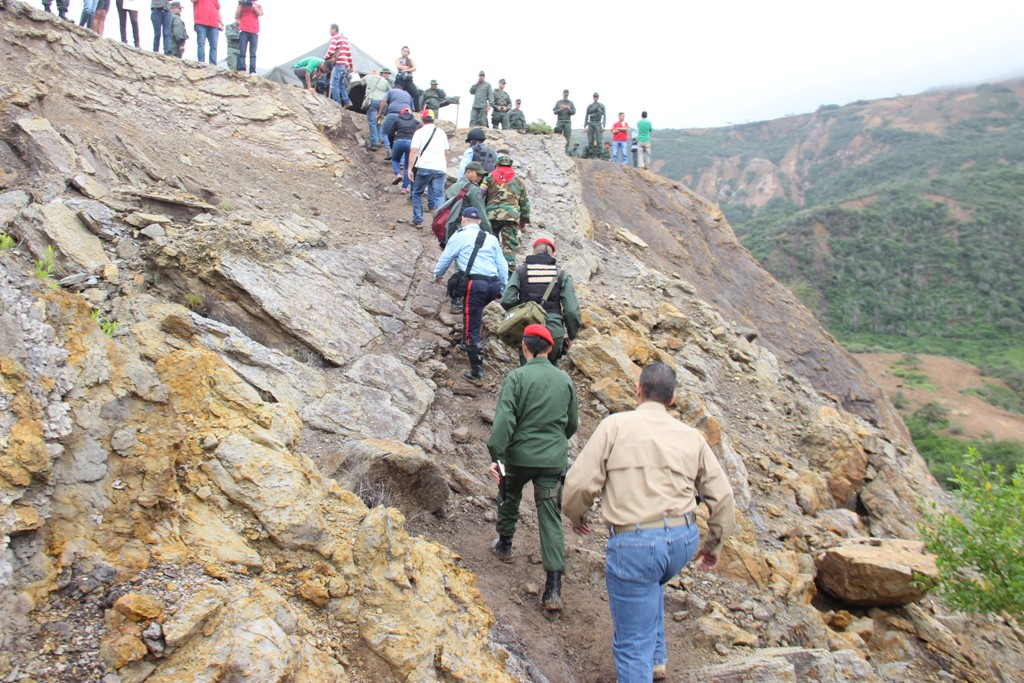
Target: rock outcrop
228 401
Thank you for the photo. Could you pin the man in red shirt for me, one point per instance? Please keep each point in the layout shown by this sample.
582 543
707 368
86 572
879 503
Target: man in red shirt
206 14
248 16
620 139
339 52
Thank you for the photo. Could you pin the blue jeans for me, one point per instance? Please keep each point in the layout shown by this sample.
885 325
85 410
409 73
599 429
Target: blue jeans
161 19
398 151
637 567
433 182
371 120
204 33
247 43
338 92
389 120
620 147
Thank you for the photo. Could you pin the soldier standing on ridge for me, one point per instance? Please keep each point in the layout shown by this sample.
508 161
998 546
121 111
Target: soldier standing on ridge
502 102
516 118
432 97
62 7
535 417
179 36
564 111
596 120
483 98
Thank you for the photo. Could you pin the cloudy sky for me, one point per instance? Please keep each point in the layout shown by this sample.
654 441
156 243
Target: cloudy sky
689 65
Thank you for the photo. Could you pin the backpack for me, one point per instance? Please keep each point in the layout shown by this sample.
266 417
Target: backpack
439 225
510 329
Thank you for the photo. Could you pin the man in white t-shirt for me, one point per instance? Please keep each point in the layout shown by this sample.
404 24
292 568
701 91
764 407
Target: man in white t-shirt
427 167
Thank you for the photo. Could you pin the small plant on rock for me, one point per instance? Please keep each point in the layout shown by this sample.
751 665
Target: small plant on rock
978 546
109 327
44 266
193 302
6 242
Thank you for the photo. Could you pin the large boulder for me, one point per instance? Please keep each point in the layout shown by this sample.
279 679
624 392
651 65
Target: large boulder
876 572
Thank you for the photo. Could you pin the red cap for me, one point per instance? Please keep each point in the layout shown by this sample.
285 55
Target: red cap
544 240
536 330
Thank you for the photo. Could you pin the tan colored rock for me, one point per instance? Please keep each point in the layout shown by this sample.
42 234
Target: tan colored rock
119 649
139 606
315 592
876 572
142 220
747 670
715 629
834 449
202 608
48 146
25 519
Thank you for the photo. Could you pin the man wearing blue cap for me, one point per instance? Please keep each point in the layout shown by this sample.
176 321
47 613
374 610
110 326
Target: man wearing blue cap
485 274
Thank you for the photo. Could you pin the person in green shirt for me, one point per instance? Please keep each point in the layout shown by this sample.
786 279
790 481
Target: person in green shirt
643 140
308 70
483 100
517 118
502 104
564 111
535 417
179 36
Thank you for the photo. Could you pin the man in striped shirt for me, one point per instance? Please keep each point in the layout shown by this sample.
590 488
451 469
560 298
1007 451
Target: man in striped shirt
340 54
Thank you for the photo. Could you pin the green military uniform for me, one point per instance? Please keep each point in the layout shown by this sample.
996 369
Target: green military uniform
528 282
565 110
231 36
507 205
517 119
606 153
432 98
179 36
474 197
483 96
502 104
535 416
596 119
575 151
62 7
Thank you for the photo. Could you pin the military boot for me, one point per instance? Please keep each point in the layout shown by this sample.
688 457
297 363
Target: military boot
502 547
476 363
552 598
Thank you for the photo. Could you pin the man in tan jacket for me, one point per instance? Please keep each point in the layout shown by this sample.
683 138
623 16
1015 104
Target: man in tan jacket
649 468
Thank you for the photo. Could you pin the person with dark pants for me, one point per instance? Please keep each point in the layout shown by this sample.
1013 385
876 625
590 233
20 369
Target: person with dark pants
394 101
88 7
160 15
404 127
650 470
248 16
478 255
536 415
124 14
99 17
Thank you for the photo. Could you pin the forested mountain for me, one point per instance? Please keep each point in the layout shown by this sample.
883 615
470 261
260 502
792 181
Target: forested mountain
899 221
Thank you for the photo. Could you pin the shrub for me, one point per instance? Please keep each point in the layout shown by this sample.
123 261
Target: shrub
6 242
981 567
539 127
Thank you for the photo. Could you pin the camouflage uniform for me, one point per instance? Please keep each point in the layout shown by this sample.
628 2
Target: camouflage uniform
507 207
499 117
231 36
564 119
432 98
517 119
179 36
596 119
483 95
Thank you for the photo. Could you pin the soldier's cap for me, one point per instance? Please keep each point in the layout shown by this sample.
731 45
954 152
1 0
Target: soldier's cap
476 166
433 81
474 213
481 74
544 240
504 160
175 3
385 70
519 101
536 330
596 95
565 92
501 81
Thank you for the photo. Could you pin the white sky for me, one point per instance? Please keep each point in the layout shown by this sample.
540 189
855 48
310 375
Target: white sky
689 66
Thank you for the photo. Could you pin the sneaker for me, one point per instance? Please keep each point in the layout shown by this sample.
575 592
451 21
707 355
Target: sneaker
387 157
397 179
405 190
417 224
660 673
457 308
473 376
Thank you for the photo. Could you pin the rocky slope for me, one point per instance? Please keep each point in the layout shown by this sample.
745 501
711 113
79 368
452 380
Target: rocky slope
183 494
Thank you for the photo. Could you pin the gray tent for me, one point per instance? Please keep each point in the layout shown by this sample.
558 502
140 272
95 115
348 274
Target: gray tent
362 63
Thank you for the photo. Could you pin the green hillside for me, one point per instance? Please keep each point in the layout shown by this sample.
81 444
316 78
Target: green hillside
899 222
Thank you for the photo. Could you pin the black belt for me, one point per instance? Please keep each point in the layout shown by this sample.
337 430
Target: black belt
488 278
665 522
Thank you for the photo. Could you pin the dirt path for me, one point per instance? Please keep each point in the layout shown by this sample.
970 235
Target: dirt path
948 381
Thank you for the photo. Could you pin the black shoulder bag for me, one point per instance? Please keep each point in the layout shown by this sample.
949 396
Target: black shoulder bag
459 280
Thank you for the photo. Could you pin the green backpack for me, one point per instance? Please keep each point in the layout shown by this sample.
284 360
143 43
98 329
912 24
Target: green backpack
510 330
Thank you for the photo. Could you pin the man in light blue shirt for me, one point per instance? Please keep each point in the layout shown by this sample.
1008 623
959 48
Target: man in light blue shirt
485 281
